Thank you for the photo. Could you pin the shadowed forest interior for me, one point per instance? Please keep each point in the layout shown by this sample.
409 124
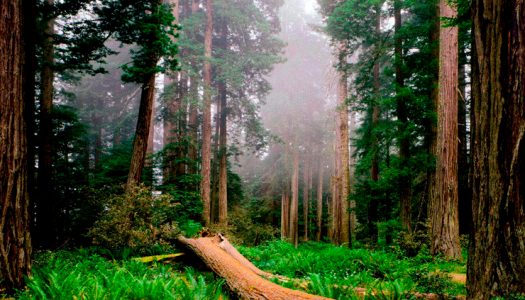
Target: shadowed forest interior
262 149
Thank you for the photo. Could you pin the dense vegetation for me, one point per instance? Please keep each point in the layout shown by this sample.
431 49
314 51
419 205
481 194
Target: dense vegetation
349 149
318 268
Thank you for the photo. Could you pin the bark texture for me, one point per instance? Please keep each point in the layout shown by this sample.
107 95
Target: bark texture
15 241
344 152
496 263
241 276
223 158
206 118
140 143
444 222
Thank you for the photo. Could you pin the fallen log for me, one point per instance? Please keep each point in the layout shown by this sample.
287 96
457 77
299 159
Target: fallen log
250 282
244 280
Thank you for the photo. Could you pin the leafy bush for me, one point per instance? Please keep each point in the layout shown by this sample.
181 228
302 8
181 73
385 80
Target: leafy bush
241 230
410 243
137 219
430 281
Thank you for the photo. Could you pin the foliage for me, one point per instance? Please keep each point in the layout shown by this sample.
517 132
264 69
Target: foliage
83 274
412 243
150 26
244 231
335 271
137 219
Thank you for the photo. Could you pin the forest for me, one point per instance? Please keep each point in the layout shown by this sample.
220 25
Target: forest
262 149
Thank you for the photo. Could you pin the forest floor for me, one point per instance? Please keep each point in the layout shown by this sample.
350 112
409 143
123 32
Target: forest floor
318 268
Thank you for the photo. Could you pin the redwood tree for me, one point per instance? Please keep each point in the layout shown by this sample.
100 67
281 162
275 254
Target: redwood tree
443 212
15 241
152 28
294 204
206 118
496 263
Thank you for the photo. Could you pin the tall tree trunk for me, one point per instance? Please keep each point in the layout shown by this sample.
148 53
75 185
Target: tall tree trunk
335 233
444 222
193 112
214 194
15 240
329 208
306 197
47 208
374 170
294 205
285 214
140 143
29 25
319 209
206 122
352 204
405 185
344 175
223 158
496 263
223 137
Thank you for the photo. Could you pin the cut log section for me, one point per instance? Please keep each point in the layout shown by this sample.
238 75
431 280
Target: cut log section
241 276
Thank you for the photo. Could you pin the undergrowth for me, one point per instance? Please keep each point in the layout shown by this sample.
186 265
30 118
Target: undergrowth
83 274
336 272
318 268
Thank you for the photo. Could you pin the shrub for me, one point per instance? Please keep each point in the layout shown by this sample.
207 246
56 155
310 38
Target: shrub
429 281
242 230
410 243
138 219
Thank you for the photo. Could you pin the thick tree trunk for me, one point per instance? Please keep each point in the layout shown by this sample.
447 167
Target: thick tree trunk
15 241
46 206
241 276
223 158
206 120
444 222
319 208
496 263
344 175
140 143
294 205
405 185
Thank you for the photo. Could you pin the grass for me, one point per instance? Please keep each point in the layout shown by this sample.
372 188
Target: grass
319 268
86 275
336 271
